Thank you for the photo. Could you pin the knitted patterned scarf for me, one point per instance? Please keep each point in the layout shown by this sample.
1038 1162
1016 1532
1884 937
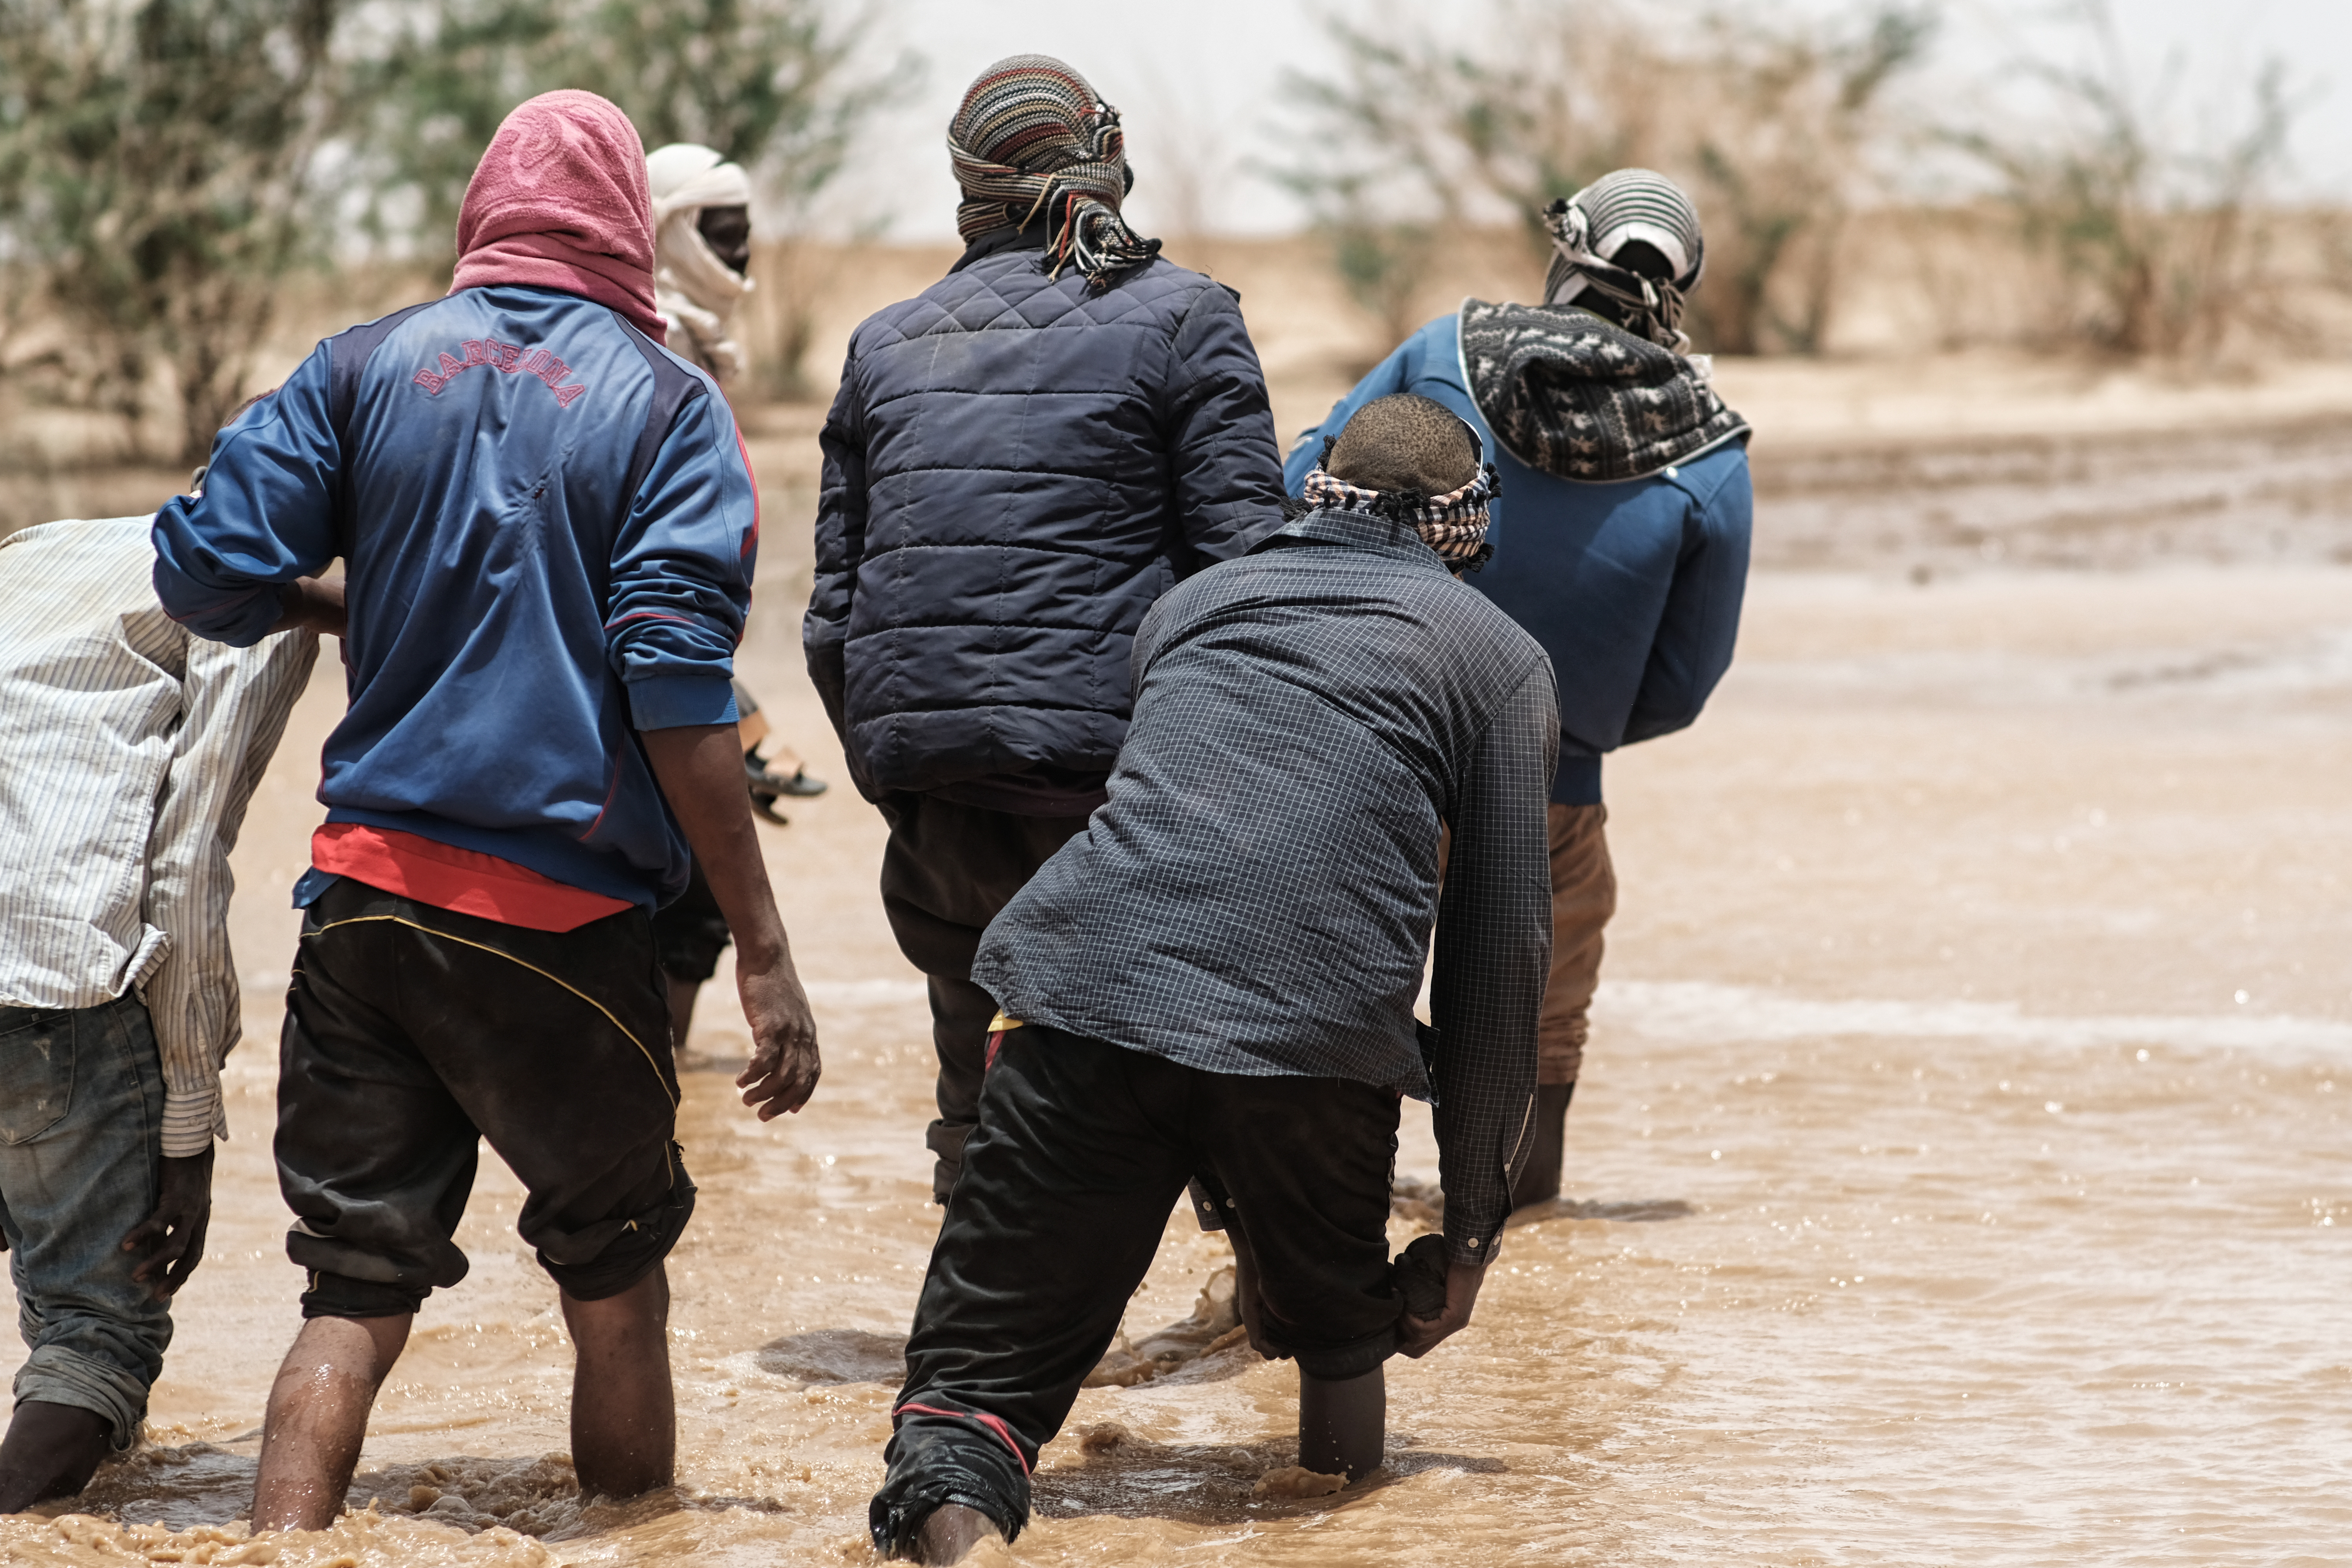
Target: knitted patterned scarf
1032 137
1581 398
1452 524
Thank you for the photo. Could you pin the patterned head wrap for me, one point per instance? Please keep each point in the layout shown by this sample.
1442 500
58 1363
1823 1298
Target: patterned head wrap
1591 227
1452 524
1032 137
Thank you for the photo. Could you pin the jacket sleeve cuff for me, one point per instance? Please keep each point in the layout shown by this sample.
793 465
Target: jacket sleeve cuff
1473 1249
678 702
191 1120
240 619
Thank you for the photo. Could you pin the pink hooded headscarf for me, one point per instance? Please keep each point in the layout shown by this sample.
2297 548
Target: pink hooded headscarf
560 202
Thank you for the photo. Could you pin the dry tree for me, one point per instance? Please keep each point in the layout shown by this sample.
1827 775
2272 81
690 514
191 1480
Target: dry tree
1772 127
166 164
774 85
154 166
2164 242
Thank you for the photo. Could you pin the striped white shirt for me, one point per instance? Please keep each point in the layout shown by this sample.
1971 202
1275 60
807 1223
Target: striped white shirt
128 749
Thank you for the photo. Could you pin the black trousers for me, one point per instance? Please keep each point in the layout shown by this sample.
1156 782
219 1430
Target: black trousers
411 1033
1081 1151
948 870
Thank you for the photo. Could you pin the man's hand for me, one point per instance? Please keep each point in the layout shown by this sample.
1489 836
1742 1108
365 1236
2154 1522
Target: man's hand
1418 1336
702 771
173 1236
311 604
785 1066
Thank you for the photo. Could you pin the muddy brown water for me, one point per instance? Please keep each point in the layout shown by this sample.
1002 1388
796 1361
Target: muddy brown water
2275 493
1960 1173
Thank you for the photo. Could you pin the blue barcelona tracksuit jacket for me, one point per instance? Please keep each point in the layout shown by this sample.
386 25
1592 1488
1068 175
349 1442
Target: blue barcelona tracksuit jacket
548 524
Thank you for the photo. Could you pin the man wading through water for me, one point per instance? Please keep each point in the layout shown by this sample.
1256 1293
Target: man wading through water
549 526
1020 460
1620 534
1215 981
128 753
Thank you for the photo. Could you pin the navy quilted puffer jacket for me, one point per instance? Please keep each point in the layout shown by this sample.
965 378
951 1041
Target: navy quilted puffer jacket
1014 468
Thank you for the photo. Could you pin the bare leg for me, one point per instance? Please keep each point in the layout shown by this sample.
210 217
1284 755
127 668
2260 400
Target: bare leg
951 1533
681 1009
318 1418
1343 1425
51 1451
624 1413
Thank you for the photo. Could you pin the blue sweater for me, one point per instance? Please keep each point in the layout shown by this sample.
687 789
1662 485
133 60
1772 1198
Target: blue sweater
1633 588
548 525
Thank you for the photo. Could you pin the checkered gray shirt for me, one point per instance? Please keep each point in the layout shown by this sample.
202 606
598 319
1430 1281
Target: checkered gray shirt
1257 897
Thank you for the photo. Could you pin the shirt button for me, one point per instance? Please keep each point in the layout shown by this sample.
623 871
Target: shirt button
1474 1241
1673 472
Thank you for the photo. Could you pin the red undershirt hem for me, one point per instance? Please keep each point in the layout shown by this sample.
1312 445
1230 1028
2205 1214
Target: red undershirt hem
464 881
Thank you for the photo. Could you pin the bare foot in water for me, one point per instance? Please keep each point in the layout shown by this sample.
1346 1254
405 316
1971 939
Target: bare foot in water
951 1533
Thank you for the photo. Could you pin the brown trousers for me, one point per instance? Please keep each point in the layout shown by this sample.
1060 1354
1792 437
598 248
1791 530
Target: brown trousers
1583 897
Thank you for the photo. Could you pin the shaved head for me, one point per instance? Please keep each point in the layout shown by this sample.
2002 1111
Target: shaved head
1404 442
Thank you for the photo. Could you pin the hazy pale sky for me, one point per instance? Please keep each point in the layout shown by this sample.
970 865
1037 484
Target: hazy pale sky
1199 84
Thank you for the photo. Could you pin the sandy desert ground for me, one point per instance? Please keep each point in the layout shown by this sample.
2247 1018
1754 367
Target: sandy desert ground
1960 1172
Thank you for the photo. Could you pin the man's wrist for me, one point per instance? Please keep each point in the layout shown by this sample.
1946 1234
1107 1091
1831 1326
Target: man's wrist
1472 1251
759 951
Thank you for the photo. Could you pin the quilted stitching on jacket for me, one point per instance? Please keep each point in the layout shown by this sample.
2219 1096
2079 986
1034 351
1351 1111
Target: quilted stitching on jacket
1015 469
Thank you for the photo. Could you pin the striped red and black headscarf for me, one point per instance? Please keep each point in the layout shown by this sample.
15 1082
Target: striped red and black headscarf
1034 139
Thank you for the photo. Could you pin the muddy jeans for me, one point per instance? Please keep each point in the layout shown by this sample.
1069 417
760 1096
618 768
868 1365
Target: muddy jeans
81 1144
1583 897
947 872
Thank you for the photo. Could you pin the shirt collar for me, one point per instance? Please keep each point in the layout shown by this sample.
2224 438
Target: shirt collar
1357 531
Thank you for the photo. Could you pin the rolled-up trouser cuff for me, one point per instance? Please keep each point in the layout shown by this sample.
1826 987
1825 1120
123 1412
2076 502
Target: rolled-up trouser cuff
635 1250
56 1375
944 1457
332 1295
1349 1360
646 1240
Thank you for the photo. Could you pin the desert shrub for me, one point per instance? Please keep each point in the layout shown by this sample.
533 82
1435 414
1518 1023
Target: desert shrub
2165 239
1771 125
1781 133
154 163
772 84
767 83
165 165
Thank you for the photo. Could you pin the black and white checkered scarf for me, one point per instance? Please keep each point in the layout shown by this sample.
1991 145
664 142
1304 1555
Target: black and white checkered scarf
1452 524
1581 398
1032 137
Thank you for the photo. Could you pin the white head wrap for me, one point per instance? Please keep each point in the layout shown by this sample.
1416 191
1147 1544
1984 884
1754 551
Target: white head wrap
695 290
